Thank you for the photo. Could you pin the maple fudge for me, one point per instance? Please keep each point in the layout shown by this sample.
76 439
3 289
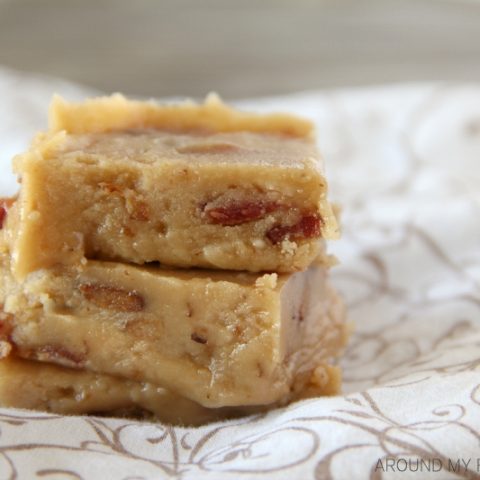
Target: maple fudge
217 338
52 388
186 185
46 387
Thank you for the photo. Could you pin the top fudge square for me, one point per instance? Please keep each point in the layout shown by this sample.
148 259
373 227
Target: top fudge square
186 185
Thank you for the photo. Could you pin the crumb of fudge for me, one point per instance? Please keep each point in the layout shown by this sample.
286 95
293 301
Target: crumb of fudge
326 379
5 349
268 281
288 247
136 207
259 243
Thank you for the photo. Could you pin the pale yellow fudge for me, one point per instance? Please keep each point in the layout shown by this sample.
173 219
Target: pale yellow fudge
188 185
51 388
217 338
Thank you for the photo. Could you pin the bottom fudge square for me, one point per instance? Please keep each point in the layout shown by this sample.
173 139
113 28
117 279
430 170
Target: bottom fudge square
62 390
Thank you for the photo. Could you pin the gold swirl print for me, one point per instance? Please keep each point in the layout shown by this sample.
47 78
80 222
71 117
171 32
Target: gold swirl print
404 163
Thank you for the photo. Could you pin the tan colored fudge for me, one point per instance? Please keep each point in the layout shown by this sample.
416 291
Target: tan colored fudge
189 185
217 338
51 388
47 387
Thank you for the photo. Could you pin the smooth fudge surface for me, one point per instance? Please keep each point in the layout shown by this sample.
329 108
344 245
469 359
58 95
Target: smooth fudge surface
217 338
187 186
52 388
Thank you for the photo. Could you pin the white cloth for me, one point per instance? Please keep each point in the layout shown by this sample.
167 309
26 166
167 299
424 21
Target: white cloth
404 162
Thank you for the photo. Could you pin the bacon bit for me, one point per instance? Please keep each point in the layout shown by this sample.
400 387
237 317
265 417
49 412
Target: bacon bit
307 227
238 212
197 338
5 204
57 354
208 148
112 298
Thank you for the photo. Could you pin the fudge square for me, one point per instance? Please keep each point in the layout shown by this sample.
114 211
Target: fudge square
187 185
53 388
217 338
47 387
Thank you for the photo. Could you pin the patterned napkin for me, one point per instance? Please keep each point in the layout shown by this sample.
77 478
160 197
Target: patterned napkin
404 161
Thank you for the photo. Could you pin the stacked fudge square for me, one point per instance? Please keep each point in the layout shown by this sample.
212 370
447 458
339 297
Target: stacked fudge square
167 259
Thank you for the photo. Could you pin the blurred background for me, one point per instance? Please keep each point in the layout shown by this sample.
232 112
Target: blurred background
241 48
